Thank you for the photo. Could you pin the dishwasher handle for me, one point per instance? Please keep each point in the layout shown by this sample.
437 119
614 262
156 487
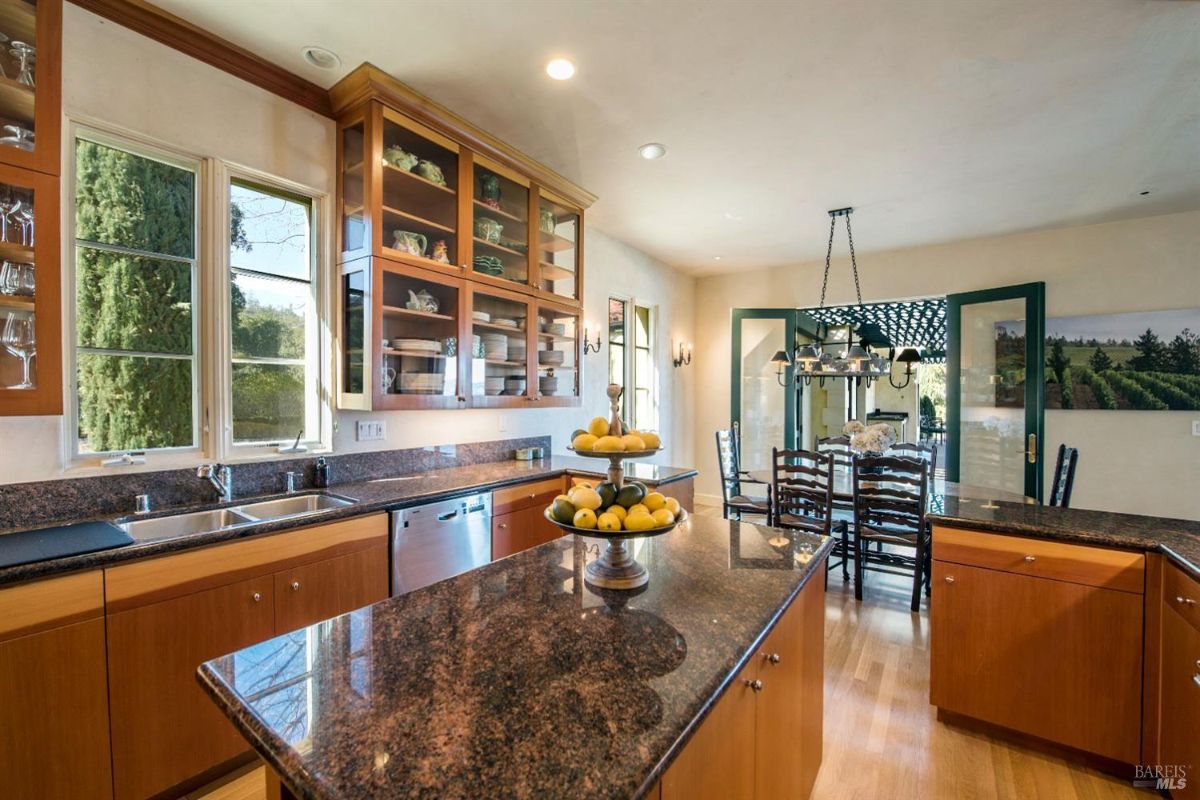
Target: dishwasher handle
448 515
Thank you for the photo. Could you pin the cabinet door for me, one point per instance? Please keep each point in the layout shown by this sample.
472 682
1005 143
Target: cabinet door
541 529
718 762
54 714
509 535
164 728
311 593
1180 744
1057 660
31 88
789 724
559 355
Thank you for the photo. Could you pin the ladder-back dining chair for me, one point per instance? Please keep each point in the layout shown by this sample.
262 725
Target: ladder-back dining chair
735 499
922 451
1064 476
890 495
802 493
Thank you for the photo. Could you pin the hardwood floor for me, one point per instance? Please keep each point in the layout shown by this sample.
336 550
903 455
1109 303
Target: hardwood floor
882 739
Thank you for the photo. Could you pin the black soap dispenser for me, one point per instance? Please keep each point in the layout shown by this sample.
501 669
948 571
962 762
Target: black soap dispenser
321 478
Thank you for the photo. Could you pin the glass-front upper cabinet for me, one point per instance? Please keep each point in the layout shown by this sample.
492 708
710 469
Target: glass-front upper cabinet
419 194
30 83
418 339
30 308
500 223
499 348
558 354
355 226
558 246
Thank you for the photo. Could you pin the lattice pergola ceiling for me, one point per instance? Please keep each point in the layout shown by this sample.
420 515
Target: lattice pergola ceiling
913 323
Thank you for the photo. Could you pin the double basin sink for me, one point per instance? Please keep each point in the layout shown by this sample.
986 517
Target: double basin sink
219 519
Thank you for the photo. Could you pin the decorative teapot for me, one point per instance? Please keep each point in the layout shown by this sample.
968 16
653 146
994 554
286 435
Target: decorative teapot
488 229
489 190
409 242
430 172
421 301
400 158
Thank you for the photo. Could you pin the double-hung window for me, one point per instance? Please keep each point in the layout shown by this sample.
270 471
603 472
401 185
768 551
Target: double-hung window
631 360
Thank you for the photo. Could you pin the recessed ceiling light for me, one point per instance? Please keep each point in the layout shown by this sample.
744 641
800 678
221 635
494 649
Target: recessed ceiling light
320 57
652 151
732 216
560 69
716 258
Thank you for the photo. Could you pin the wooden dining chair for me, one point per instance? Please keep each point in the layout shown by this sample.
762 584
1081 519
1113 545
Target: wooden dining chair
1064 476
735 500
890 495
802 499
923 451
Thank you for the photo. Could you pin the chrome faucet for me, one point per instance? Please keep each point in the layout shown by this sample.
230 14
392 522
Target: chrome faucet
221 478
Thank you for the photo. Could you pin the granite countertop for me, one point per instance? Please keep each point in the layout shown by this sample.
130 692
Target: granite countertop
517 678
1178 539
369 496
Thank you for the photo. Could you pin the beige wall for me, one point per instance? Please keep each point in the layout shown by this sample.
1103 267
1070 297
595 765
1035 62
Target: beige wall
121 79
1134 461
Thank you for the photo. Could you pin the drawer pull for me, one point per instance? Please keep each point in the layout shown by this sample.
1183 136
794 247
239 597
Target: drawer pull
503 525
772 657
1030 559
257 596
755 685
1187 601
949 579
295 586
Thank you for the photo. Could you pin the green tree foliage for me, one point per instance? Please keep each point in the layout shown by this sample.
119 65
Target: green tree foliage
1068 389
1099 362
1151 354
1136 396
1105 397
1058 361
1183 354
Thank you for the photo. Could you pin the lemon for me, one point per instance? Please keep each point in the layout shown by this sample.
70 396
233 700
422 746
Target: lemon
585 518
584 441
608 444
632 443
638 508
673 506
585 497
654 501
662 518
651 439
598 427
585 484
618 511
608 522
639 522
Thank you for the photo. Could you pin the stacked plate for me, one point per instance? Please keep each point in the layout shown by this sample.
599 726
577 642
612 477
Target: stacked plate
553 358
495 346
489 265
514 384
417 345
548 385
516 350
476 346
504 322
493 385
481 316
554 328
421 382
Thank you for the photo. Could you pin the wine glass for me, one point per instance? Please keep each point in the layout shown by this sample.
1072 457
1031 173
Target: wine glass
21 279
25 54
18 136
18 339
25 219
10 211
3 40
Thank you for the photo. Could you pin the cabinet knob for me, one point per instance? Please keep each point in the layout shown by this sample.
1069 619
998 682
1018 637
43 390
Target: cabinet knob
949 579
1030 559
295 586
773 658
503 525
755 685
1187 601
257 596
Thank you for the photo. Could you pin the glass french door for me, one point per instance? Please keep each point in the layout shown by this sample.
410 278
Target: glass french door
994 374
763 410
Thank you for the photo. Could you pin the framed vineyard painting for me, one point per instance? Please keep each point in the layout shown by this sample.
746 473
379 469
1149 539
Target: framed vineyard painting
1140 361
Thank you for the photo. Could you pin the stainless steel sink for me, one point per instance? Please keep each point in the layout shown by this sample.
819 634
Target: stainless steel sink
300 505
183 524
293 506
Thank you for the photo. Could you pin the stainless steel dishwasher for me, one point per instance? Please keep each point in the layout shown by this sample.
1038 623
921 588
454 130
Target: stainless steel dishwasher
440 540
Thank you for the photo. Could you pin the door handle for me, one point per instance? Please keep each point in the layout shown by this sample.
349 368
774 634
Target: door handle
448 515
1031 451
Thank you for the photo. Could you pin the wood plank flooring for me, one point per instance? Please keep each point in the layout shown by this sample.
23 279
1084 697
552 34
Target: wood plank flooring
882 739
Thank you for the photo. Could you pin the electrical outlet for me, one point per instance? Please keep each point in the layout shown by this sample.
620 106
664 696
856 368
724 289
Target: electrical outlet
1196 427
372 430
503 423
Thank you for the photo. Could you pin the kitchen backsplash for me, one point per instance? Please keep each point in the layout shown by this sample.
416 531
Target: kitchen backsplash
44 502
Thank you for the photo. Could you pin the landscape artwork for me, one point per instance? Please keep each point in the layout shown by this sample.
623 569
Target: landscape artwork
1139 361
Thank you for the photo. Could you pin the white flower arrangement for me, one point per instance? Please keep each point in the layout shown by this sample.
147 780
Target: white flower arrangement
875 438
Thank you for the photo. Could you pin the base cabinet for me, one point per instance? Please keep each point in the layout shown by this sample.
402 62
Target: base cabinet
762 740
518 519
307 594
1179 733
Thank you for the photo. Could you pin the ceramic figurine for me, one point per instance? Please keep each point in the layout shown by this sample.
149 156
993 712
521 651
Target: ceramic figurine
421 301
488 229
398 157
548 222
440 252
409 242
430 172
489 191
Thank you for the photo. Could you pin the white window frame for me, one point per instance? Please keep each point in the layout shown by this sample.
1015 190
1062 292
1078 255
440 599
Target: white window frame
629 365
211 338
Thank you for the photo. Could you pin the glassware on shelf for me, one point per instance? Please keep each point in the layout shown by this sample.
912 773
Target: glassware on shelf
3 41
18 136
26 56
17 279
24 217
18 338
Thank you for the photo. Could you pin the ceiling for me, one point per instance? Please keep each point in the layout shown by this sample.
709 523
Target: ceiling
937 120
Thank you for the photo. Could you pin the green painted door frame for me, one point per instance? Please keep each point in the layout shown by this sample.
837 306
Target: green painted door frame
1034 295
786 343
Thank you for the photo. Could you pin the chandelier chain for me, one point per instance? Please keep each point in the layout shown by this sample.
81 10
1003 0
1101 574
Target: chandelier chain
853 260
828 256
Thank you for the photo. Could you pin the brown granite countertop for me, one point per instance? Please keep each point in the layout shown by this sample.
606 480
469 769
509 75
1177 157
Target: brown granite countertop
1178 539
517 679
368 496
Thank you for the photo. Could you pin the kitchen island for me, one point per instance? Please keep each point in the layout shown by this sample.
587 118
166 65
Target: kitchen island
518 679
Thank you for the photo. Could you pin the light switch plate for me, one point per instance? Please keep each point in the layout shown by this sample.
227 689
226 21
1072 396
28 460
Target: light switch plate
1196 427
372 430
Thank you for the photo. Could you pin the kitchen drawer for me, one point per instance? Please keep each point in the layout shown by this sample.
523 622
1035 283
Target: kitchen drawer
525 495
1090 566
51 603
1182 593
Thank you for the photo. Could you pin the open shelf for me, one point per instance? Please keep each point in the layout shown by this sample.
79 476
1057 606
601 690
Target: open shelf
412 353
501 328
16 303
499 248
562 337
437 226
554 243
499 363
16 101
423 260
396 311
553 272
484 209
11 251
388 169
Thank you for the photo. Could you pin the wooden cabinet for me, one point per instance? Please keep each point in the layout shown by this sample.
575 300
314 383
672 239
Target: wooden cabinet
762 739
53 689
1027 635
31 87
168 615
422 188
1180 685
518 519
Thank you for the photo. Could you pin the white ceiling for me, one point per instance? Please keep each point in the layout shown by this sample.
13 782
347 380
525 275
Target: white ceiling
937 119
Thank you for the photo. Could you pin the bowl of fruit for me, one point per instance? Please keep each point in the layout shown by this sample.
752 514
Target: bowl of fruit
608 511
604 439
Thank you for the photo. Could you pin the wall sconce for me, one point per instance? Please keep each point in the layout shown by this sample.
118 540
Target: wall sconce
908 356
685 355
588 347
782 362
